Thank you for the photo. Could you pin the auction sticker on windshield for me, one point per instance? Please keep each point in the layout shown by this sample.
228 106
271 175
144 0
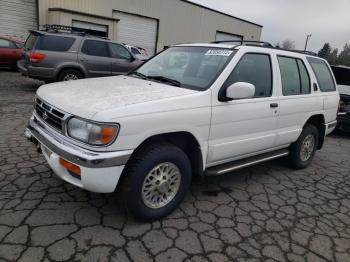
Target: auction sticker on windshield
220 52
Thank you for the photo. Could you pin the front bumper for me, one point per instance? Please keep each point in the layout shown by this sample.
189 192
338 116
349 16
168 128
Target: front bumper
100 171
344 121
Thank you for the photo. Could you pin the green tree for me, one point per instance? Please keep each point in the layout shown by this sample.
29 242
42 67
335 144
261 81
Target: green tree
325 51
333 57
344 56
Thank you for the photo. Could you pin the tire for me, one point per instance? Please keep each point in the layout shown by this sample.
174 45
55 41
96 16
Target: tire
138 180
302 155
69 75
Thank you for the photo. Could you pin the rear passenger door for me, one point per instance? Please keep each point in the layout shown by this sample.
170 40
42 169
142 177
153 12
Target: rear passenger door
95 58
123 61
297 101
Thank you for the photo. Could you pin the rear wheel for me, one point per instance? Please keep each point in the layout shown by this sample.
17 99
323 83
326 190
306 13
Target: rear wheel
157 181
303 150
69 75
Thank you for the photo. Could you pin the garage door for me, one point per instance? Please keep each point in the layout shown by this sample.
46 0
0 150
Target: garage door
91 28
17 17
220 36
137 31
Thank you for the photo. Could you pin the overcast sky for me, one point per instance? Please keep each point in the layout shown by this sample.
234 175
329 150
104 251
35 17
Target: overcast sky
326 20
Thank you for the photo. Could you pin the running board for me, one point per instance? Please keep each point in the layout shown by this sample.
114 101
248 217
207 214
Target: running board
232 166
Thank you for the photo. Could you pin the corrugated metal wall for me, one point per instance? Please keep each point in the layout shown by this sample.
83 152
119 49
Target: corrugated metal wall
179 21
17 17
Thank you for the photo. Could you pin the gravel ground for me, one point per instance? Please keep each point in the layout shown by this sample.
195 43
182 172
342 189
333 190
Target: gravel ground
263 213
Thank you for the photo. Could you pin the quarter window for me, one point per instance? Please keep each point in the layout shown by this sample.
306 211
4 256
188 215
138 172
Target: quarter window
294 75
254 69
95 48
54 43
323 74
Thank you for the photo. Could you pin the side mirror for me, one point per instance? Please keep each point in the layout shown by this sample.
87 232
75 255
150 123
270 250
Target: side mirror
240 90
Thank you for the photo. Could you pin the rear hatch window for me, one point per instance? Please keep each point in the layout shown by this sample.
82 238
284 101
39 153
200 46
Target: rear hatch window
54 43
30 42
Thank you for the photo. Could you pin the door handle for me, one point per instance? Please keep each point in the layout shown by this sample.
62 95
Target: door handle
273 105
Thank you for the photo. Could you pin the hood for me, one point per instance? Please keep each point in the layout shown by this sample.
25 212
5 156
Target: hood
87 97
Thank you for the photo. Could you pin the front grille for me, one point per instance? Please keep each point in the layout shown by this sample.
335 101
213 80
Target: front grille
50 115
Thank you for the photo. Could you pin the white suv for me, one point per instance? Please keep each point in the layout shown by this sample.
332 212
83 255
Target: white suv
192 110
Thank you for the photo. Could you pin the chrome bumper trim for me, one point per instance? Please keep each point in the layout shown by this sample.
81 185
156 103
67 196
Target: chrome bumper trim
72 153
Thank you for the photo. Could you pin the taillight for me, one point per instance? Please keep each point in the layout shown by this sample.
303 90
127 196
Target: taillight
36 57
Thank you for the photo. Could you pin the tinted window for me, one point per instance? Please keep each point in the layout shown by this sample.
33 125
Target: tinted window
6 44
295 79
95 48
342 75
54 43
254 69
119 51
323 74
31 40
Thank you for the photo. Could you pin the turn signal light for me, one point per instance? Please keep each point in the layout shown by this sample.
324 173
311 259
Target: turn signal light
70 166
36 57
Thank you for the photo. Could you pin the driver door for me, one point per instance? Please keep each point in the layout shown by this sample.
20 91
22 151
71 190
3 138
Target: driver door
245 127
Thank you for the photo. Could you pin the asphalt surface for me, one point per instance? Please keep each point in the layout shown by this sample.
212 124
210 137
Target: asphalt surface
263 213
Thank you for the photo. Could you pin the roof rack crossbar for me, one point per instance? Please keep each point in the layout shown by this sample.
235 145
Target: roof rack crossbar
244 42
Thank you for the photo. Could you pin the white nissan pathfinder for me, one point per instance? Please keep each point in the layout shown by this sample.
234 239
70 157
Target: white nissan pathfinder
192 110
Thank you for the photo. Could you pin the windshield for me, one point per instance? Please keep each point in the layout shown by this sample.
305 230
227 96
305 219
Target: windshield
342 75
190 67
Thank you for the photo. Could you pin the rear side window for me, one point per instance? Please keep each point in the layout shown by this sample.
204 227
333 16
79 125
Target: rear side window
54 43
294 75
323 74
95 48
254 69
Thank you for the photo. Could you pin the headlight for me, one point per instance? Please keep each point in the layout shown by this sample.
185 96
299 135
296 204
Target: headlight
91 133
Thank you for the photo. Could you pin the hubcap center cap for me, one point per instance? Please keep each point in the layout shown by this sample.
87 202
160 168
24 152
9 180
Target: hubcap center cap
163 187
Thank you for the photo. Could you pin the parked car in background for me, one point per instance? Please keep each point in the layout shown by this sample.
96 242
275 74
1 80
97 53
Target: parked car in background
61 56
192 110
138 52
342 76
10 52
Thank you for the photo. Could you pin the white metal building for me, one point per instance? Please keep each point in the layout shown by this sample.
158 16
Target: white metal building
151 24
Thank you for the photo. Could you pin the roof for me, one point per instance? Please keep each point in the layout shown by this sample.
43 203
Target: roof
11 39
217 11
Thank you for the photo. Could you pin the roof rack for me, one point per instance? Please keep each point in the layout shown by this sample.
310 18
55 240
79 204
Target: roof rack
71 29
245 42
264 44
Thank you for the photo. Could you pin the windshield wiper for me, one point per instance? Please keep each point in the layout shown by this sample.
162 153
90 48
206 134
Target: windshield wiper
138 74
166 80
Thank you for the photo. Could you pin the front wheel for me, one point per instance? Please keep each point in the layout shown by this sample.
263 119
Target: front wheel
303 150
157 181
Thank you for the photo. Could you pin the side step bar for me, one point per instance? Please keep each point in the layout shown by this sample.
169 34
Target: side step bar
232 166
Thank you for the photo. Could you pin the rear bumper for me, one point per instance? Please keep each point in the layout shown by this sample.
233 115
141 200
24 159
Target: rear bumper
41 73
100 171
